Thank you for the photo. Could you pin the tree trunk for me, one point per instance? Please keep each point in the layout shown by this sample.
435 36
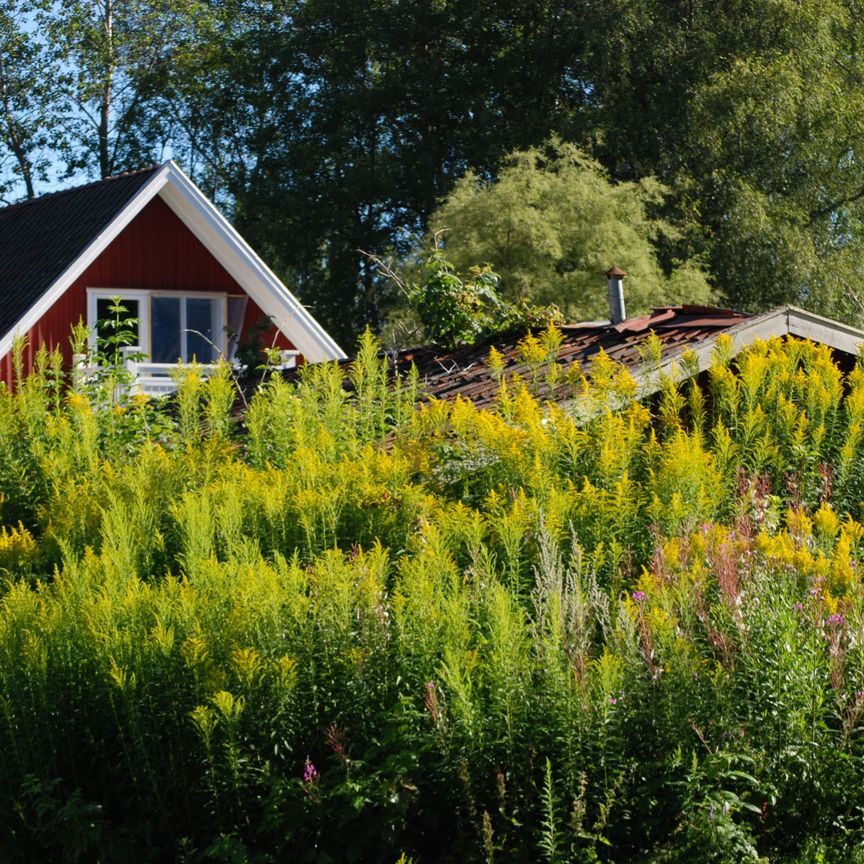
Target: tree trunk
105 166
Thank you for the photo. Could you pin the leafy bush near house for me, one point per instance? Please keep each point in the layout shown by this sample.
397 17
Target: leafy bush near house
367 630
453 309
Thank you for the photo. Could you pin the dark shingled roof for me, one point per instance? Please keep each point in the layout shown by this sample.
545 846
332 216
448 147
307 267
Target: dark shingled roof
42 237
465 372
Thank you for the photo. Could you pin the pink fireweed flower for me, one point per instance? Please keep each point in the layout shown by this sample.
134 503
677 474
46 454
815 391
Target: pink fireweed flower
835 620
310 772
639 596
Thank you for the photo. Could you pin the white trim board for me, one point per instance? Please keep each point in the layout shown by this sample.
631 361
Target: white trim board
252 274
783 321
35 313
216 234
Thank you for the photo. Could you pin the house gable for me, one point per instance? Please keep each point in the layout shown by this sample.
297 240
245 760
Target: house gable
156 251
158 232
42 239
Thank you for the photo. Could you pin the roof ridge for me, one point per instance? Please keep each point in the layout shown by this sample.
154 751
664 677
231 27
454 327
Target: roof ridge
18 205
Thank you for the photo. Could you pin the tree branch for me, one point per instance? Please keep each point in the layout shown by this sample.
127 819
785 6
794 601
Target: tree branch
833 205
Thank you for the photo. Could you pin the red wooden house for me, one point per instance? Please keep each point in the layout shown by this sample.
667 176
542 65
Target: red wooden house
152 238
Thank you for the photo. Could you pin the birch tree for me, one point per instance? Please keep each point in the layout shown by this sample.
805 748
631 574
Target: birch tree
116 54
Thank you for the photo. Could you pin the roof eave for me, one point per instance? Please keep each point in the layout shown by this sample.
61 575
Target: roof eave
782 321
227 246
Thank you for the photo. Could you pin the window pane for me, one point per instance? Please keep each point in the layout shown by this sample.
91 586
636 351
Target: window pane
109 324
200 329
165 330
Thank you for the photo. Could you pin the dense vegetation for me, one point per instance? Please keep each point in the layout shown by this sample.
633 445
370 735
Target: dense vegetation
327 128
357 630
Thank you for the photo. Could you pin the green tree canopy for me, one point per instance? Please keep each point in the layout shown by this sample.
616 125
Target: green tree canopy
783 132
552 223
752 111
334 127
28 101
326 128
115 58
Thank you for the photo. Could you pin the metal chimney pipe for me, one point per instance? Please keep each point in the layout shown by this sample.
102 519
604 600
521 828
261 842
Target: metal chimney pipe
617 312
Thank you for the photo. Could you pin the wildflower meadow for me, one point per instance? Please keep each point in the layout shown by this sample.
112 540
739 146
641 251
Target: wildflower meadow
346 624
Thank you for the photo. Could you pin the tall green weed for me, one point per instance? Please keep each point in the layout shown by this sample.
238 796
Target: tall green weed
354 626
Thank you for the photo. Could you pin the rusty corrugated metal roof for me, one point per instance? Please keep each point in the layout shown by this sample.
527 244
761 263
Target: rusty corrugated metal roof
466 372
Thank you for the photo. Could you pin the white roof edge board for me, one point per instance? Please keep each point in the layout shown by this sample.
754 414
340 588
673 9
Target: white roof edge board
835 334
782 321
223 242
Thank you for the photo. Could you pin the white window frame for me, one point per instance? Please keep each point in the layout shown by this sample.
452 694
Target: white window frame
143 298
144 324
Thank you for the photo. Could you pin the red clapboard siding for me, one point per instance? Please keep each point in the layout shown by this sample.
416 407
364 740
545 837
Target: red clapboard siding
155 251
